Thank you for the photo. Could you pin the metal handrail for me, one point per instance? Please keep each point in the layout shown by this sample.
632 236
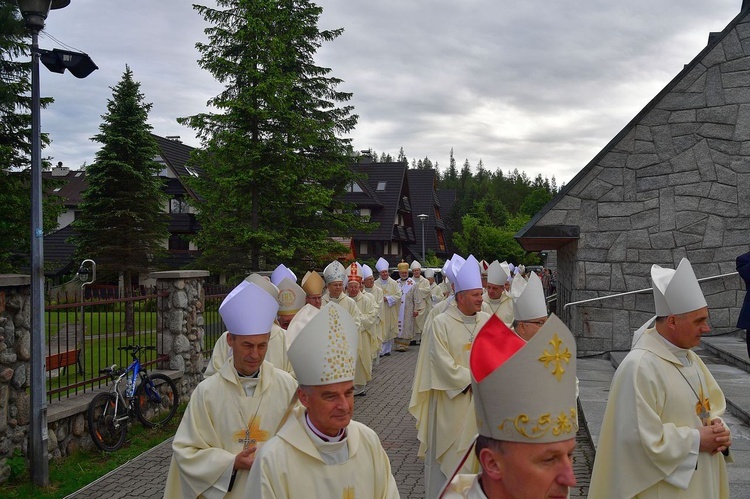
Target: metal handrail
644 290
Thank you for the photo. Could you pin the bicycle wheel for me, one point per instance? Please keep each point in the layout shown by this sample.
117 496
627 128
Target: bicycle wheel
105 431
156 400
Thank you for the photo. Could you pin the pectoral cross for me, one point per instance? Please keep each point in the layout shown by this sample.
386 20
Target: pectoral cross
247 441
701 409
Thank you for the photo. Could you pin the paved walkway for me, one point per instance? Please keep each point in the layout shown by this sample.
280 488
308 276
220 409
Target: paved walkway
384 409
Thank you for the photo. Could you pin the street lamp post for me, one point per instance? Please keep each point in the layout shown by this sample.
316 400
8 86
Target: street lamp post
422 219
35 13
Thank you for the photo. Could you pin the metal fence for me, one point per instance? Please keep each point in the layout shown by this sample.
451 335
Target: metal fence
83 335
213 326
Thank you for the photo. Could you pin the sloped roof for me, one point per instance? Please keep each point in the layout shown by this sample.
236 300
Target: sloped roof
423 201
177 156
532 237
394 176
58 253
70 187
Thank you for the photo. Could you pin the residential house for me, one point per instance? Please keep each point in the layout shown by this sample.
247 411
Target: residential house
425 201
174 156
381 195
673 183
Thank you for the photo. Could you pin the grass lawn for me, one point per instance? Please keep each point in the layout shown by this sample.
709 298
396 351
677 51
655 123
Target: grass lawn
78 470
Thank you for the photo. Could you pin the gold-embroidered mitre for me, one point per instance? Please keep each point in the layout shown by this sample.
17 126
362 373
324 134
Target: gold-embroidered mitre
324 349
525 392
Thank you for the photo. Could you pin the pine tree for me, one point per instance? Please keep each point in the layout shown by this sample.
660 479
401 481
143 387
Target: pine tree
15 145
122 225
273 160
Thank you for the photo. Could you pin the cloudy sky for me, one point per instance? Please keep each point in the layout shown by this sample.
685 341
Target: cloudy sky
538 85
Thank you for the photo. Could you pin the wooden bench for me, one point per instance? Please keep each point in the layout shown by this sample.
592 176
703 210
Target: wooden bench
65 350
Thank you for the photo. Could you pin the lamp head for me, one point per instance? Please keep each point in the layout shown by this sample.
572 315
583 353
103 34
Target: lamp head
35 12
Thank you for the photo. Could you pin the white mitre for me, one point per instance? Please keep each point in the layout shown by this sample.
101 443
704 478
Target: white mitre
446 269
366 271
528 298
291 297
335 271
248 310
467 276
381 264
415 265
429 273
264 283
324 349
676 291
498 273
280 273
525 391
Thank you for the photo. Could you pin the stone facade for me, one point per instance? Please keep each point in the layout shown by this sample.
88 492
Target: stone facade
674 183
182 308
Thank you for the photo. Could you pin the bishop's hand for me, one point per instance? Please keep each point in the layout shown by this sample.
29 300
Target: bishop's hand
244 460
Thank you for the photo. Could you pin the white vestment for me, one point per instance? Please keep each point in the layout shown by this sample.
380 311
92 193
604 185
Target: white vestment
647 447
445 408
292 465
391 302
376 293
221 415
369 316
502 308
464 487
405 309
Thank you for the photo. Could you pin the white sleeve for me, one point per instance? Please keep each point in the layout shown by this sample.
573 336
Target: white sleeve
680 477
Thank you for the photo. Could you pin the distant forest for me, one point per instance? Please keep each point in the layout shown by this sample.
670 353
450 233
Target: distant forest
491 206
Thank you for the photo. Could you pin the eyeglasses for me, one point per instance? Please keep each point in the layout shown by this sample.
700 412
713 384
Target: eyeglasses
540 322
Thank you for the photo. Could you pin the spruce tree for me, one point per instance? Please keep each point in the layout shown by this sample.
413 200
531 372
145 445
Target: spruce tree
274 159
15 145
122 225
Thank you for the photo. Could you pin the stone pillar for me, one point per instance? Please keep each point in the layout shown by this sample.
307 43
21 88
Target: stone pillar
180 323
15 354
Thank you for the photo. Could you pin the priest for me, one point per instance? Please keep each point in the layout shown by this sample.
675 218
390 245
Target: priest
498 300
335 275
313 285
277 344
444 382
376 293
523 452
233 413
391 303
320 452
368 310
662 434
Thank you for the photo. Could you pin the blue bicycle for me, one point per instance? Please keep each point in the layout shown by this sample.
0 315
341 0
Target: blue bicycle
153 401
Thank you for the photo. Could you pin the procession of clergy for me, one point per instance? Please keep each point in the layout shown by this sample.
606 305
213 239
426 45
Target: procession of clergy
494 393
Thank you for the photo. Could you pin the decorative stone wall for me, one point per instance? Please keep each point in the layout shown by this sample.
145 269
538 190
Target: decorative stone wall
15 352
180 320
674 183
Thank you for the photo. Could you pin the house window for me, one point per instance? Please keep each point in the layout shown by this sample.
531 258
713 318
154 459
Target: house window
395 249
179 205
441 240
365 214
178 242
354 187
364 248
381 185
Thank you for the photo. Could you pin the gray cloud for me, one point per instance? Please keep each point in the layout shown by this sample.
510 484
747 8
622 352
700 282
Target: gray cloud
537 85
